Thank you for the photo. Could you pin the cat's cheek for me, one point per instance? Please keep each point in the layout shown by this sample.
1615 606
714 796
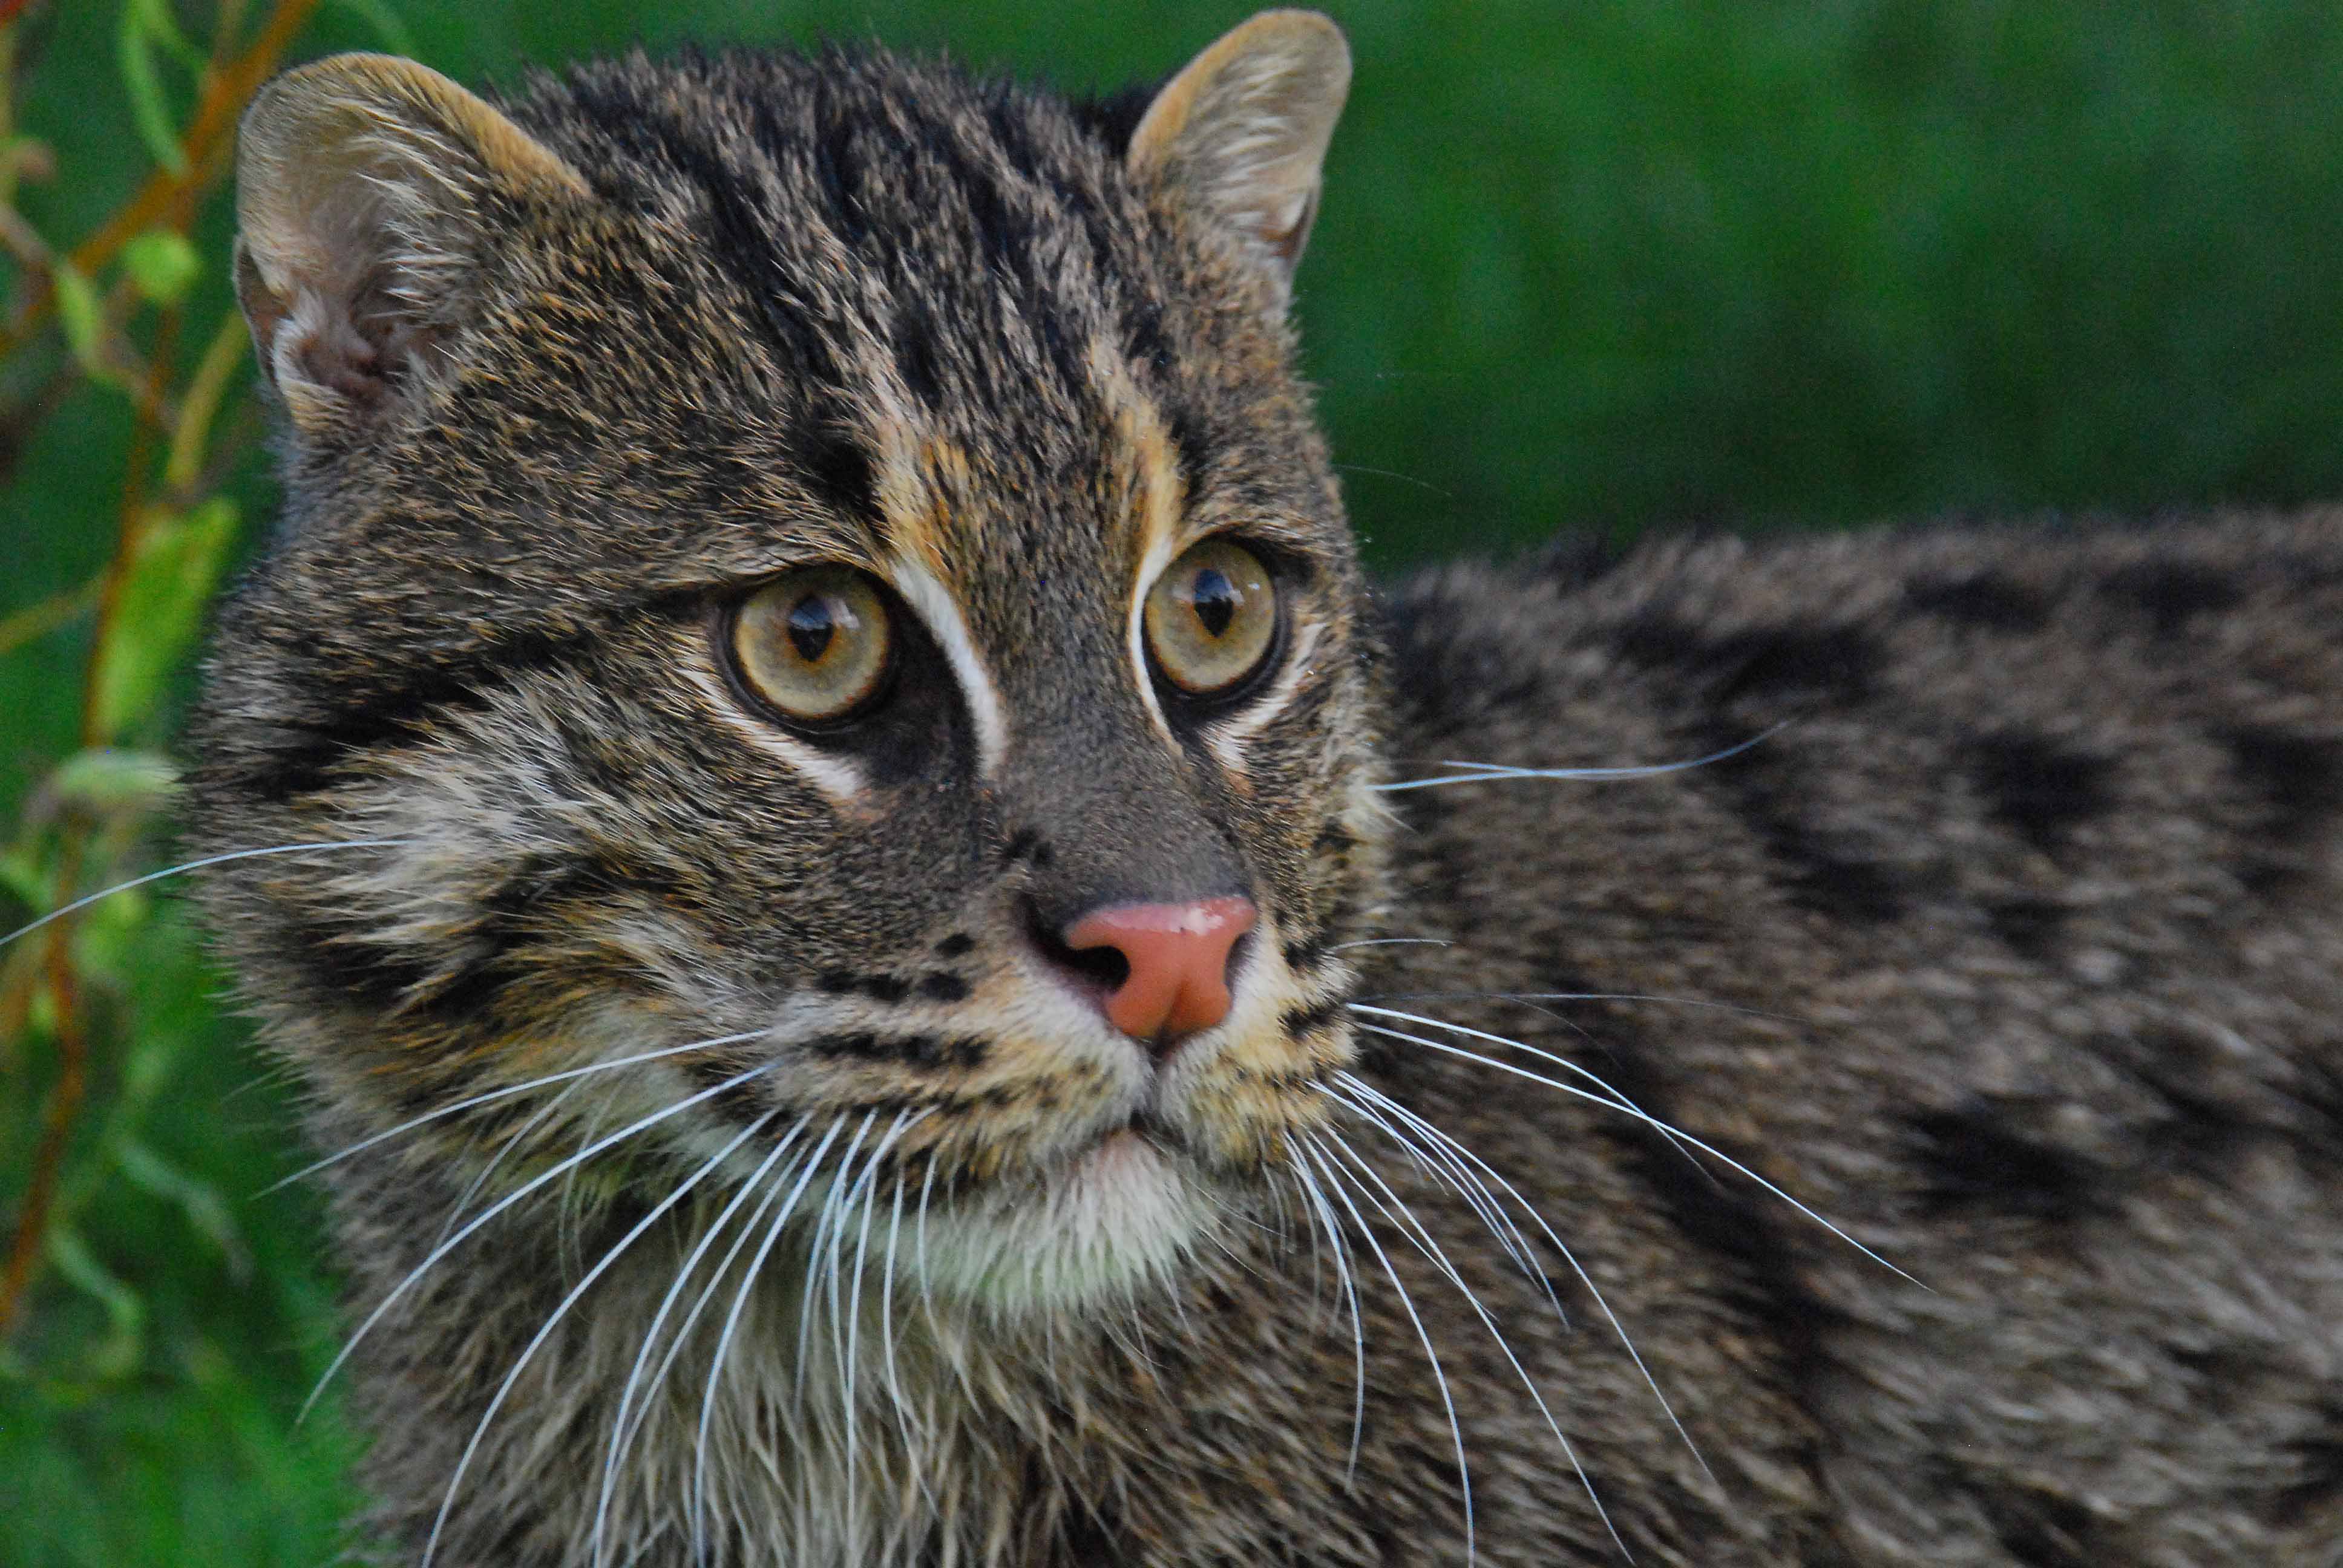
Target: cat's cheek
1247 1123
1241 1097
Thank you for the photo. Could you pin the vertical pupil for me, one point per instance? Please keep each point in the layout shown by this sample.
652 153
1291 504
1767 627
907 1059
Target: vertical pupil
811 626
1215 599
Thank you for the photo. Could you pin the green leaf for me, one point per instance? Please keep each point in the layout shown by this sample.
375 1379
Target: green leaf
113 779
82 317
117 1354
109 939
162 264
156 17
28 881
149 111
205 1206
174 568
153 1058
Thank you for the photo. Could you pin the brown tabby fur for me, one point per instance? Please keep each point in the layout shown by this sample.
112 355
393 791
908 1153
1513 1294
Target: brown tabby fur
1999 929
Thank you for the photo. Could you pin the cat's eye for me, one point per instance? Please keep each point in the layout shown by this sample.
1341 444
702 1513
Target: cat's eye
1210 619
815 645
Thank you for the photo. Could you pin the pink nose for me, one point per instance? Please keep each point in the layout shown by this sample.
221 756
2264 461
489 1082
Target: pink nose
1179 958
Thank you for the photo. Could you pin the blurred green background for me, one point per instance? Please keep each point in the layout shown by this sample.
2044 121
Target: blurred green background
1607 266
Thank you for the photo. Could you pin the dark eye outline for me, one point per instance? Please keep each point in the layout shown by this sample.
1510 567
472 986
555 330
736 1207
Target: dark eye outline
725 630
1284 584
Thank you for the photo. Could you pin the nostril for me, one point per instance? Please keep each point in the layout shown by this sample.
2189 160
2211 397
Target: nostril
1098 972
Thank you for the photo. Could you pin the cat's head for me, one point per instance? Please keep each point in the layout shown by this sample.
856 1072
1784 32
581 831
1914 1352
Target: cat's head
828 557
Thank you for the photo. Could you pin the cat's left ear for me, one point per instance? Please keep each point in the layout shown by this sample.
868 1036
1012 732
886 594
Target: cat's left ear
1243 131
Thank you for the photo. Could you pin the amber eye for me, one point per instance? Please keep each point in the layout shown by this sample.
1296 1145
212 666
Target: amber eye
1210 618
815 644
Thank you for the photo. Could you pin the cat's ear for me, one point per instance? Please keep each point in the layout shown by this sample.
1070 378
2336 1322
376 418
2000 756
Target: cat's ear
367 189
1242 130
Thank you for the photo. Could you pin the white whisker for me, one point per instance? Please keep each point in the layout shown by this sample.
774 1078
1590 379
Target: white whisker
1534 996
620 1432
544 1331
724 1340
926 1287
823 1222
1617 1098
751 1228
1400 1215
563 1169
1486 772
1436 1158
472 1189
903 1122
505 1093
1602 1303
1439 1377
1323 1213
887 1342
1646 1118
62 910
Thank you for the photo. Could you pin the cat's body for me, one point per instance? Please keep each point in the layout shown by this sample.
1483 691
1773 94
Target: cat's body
1997 925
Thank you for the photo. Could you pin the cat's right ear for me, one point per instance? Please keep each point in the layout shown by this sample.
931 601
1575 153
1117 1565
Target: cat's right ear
1242 130
367 189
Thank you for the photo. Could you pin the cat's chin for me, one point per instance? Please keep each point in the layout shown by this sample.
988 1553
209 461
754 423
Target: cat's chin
1115 1218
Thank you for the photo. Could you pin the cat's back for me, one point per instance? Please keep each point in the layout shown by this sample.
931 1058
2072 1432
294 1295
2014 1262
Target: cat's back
1998 922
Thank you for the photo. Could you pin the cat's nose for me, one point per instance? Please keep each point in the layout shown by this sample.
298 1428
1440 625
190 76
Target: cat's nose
1176 979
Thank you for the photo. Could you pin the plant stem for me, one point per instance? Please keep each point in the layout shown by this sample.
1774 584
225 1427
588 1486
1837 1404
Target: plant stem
191 431
58 1120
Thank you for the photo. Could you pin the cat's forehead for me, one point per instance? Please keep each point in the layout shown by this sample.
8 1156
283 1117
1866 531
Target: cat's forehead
978 349
886 223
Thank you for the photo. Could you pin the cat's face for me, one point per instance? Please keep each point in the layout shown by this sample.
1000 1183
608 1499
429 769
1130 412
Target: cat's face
832 564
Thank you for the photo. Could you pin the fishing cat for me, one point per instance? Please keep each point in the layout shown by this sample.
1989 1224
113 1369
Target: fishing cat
902 963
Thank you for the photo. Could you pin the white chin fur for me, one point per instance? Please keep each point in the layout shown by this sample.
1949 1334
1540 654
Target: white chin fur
1111 1222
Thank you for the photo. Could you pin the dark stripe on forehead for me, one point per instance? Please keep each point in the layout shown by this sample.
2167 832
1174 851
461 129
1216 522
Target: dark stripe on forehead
1022 209
743 236
1149 351
837 165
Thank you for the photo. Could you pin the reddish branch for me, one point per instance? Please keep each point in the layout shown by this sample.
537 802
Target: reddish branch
56 1122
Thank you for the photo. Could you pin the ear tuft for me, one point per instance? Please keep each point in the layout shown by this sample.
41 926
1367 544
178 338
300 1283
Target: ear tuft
1242 130
367 188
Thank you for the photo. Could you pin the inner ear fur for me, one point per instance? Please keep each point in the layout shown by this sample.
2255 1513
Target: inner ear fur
367 186
1242 132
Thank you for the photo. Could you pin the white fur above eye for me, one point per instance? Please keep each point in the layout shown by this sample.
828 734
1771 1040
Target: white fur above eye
933 604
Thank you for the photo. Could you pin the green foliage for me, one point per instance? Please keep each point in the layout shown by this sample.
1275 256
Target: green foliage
162 265
148 29
168 573
1580 264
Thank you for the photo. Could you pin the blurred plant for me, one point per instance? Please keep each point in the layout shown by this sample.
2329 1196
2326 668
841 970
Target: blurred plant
113 310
